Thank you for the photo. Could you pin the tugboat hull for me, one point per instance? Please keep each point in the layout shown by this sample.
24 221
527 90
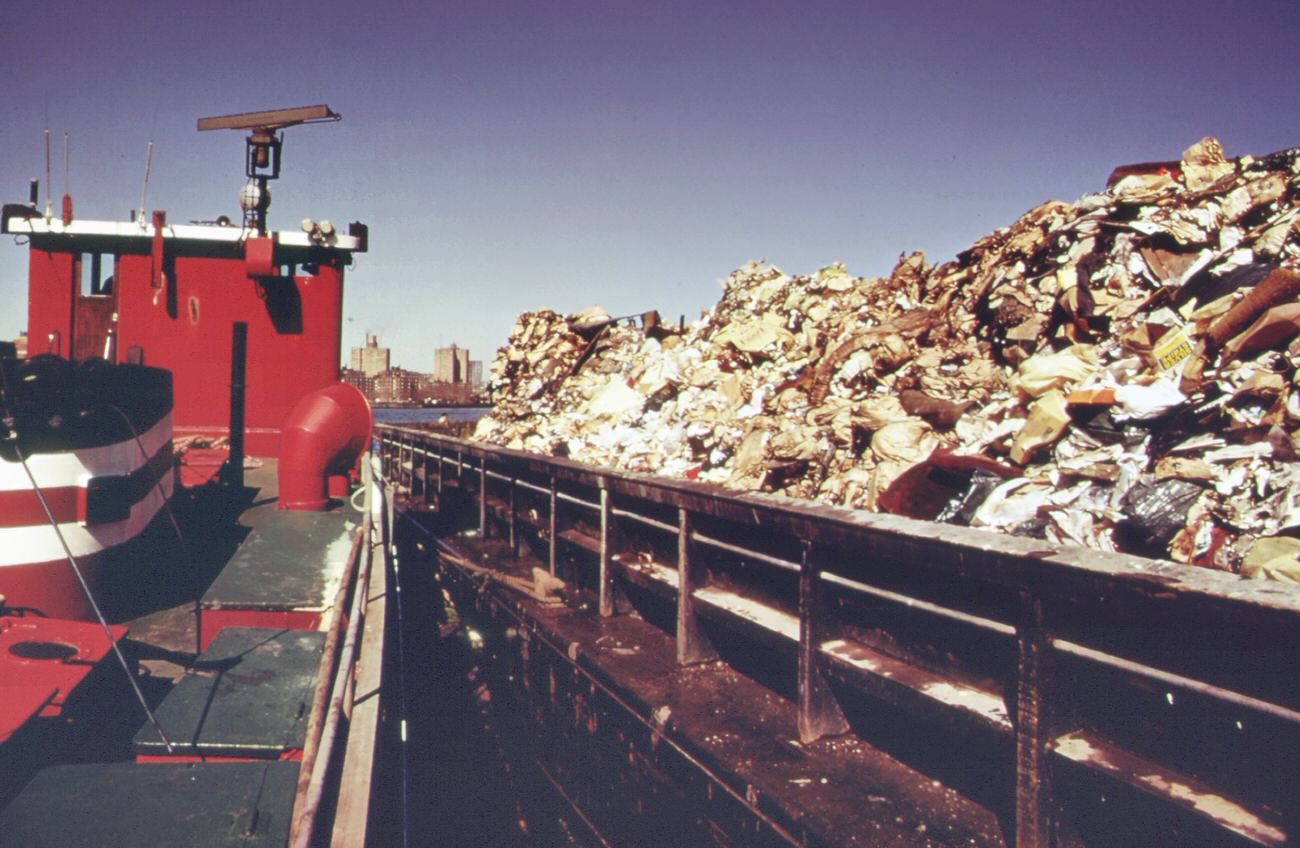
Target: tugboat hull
101 498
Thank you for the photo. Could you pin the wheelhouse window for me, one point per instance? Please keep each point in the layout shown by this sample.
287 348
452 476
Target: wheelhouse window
95 272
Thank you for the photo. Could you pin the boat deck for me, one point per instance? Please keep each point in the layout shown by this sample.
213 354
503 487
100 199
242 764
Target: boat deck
163 623
235 715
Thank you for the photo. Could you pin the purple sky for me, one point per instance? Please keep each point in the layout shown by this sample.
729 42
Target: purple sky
516 155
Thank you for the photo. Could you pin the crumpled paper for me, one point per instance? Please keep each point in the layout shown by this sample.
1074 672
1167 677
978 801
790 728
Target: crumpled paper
1141 339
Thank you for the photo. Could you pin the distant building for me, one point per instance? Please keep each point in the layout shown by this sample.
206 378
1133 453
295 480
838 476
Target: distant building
372 359
364 383
451 365
475 375
397 385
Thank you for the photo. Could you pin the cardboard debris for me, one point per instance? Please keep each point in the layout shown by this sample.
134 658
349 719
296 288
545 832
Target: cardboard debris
1119 372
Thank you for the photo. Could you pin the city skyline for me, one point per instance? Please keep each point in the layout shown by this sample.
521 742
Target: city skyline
429 351
455 377
510 157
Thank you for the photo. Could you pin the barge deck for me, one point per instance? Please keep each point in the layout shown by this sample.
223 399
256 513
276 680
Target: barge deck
675 662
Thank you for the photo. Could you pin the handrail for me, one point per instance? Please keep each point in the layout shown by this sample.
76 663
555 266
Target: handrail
1017 627
325 671
337 665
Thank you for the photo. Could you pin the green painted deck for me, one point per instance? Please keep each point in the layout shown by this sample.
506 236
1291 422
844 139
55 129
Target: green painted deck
247 695
290 561
146 805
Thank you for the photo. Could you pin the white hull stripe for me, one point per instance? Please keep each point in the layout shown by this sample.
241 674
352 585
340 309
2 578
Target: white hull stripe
26 545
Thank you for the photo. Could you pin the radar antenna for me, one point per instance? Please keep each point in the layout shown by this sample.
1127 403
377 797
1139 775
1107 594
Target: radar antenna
262 154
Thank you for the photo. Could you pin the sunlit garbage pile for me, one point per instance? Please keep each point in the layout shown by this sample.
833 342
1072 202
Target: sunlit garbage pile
1117 373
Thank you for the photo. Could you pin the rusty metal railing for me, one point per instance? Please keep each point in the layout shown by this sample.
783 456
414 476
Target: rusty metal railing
1098 675
332 733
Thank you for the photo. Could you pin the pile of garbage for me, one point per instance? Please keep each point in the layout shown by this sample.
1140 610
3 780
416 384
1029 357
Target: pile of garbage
1118 373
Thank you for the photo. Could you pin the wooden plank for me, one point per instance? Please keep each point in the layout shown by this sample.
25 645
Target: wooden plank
586 541
353 812
654 577
932 697
1182 791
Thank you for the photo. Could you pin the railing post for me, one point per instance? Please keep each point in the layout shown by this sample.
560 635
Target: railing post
693 645
424 467
1034 816
551 555
819 711
402 480
417 469
482 497
441 459
608 535
514 519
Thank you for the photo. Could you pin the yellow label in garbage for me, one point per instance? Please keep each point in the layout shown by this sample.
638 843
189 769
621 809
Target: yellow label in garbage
1172 349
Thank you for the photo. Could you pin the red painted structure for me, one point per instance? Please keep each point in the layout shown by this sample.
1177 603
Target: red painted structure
168 296
213 621
41 661
323 436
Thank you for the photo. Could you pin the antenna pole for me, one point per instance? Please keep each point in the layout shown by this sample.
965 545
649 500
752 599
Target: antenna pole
48 206
67 198
148 161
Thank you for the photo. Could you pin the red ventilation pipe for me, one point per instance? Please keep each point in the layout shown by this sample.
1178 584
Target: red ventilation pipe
323 436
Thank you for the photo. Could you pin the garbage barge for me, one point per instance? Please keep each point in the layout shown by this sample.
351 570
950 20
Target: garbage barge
666 662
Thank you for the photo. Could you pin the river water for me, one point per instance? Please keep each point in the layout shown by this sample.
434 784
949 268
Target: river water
420 415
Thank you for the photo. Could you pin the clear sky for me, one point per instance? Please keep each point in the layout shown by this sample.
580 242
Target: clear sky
510 156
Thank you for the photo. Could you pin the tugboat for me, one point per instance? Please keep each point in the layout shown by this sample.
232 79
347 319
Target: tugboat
163 360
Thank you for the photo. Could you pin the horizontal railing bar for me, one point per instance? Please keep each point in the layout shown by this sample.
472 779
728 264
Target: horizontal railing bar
644 519
533 487
988 624
1207 690
748 553
576 501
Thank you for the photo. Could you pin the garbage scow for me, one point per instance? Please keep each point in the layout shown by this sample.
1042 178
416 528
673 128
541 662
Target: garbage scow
1118 373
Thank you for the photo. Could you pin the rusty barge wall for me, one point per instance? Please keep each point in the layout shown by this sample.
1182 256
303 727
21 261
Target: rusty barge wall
694 666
